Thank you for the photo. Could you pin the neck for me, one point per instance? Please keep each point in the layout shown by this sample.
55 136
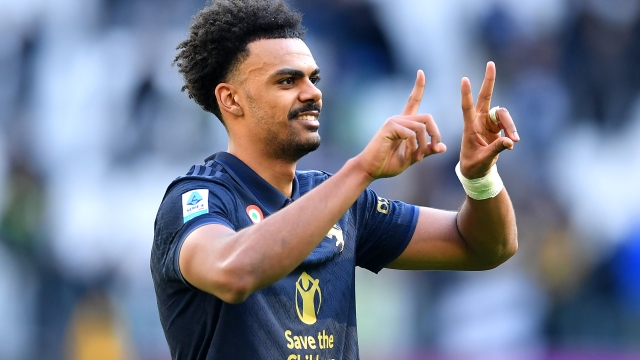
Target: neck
277 172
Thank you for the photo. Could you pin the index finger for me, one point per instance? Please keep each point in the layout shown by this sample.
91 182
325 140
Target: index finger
486 91
416 95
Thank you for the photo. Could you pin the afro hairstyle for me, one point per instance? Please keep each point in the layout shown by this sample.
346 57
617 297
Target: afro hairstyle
218 39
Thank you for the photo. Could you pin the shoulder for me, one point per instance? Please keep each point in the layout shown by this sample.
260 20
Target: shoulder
308 179
201 190
212 177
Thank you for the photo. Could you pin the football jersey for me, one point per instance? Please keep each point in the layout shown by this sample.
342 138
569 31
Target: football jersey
309 314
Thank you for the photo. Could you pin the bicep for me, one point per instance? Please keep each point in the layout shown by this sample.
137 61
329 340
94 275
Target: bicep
436 244
202 257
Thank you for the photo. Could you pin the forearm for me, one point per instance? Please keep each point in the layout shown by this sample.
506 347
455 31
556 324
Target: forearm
268 251
489 230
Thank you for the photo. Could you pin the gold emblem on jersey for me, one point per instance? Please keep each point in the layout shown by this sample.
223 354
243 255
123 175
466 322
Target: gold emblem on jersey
308 298
383 205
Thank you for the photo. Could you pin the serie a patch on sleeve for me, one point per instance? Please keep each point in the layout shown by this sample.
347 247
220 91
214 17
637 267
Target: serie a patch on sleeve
195 203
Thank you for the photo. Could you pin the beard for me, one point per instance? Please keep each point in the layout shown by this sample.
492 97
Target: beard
295 143
294 146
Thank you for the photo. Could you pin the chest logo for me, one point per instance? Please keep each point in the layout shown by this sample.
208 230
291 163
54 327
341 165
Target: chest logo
336 232
308 298
255 214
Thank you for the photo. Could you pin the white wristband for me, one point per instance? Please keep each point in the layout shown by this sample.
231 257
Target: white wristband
482 188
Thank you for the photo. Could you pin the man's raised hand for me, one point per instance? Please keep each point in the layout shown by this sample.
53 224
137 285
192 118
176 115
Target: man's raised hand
481 137
403 139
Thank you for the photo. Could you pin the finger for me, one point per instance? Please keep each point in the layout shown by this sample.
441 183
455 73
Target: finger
400 132
410 141
499 145
439 148
506 123
420 130
435 145
416 95
431 128
486 91
468 112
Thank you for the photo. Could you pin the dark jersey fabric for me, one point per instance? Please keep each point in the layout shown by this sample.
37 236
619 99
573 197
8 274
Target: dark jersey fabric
311 313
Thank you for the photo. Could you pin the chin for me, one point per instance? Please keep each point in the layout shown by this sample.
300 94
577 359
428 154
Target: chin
295 150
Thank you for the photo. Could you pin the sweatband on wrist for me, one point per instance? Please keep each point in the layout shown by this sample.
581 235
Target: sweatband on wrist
482 188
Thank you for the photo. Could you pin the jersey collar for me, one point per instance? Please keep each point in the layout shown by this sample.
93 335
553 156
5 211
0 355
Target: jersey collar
268 195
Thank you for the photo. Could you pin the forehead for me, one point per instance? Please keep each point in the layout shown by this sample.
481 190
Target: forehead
269 55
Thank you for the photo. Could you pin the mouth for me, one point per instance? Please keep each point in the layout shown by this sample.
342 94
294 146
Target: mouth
304 111
309 120
307 117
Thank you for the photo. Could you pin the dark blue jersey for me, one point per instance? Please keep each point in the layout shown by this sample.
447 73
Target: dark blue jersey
311 313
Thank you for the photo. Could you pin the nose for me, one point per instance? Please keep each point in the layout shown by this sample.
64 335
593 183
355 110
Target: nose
310 92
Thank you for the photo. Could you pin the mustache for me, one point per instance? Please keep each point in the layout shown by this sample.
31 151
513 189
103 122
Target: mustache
309 107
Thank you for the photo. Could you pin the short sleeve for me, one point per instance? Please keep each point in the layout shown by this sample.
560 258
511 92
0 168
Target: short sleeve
386 227
187 206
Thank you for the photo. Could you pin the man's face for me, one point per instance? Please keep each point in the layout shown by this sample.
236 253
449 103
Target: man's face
278 83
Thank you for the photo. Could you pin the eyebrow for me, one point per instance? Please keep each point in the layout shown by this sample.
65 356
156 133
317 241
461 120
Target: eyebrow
295 72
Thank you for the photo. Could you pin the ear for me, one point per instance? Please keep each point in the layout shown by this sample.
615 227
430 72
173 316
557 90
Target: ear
227 99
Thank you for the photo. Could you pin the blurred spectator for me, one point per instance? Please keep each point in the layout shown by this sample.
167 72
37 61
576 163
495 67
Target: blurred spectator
602 54
352 27
96 331
21 219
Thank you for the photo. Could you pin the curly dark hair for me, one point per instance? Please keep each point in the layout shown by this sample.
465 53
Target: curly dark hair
218 39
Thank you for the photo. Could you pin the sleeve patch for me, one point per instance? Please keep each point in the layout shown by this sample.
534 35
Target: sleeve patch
195 203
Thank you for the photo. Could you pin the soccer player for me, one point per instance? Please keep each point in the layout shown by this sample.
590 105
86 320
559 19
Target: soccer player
253 259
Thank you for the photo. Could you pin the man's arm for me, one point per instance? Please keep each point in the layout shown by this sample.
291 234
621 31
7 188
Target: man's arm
482 234
232 265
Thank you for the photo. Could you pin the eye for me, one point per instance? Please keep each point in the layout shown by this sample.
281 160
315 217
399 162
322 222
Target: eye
315 80
287 81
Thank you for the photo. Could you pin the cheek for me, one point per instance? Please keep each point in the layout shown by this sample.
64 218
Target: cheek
272 111
275 109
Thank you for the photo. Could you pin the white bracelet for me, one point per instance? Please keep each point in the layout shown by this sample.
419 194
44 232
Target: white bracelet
482 188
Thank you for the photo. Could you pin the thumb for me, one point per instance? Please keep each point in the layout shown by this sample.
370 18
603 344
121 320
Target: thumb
499 145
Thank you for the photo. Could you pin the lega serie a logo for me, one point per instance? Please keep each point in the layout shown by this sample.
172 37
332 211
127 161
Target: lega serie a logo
195 203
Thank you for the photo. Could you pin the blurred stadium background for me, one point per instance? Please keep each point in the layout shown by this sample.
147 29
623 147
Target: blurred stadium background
93 127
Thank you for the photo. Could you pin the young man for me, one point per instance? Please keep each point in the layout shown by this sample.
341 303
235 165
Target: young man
255 260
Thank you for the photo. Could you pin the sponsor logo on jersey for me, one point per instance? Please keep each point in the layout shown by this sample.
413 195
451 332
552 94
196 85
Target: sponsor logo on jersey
308 298
311 343
195 203
255 214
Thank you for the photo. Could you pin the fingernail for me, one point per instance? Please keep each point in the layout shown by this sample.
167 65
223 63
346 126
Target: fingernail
515 134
